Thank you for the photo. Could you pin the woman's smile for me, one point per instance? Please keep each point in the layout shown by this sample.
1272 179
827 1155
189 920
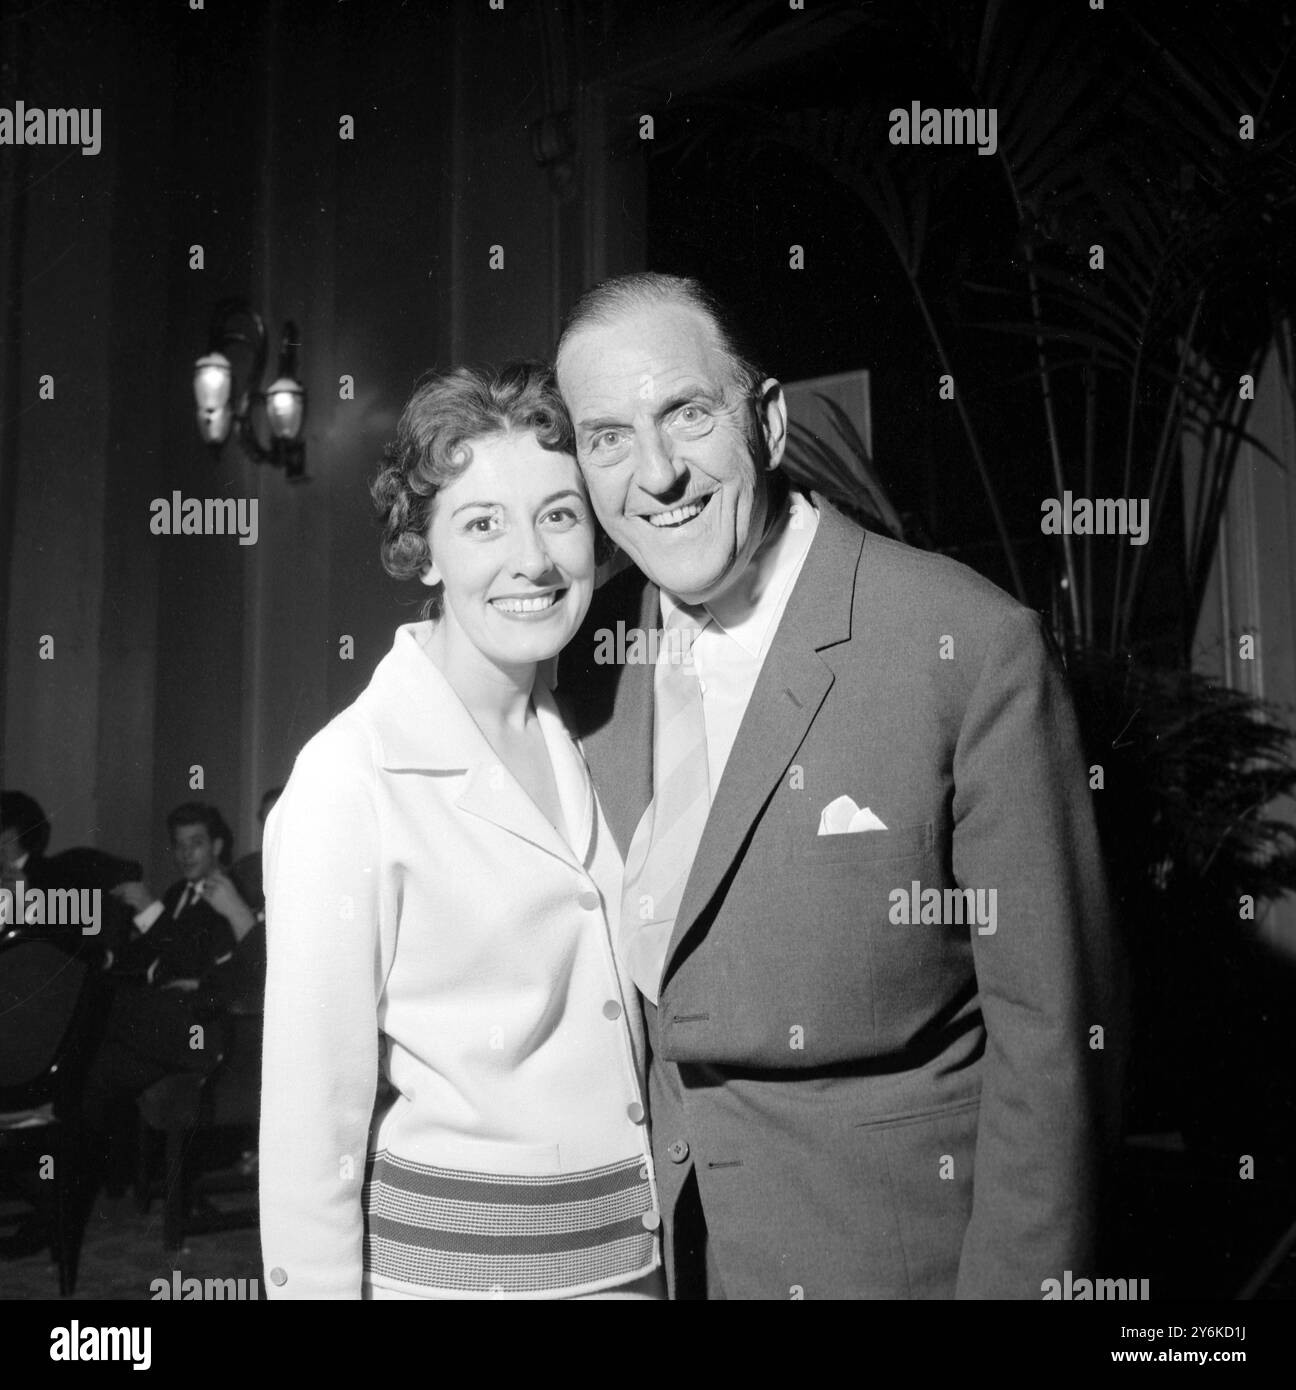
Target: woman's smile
528 607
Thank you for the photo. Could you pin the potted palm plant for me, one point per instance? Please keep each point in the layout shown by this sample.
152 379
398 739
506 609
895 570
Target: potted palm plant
1144 181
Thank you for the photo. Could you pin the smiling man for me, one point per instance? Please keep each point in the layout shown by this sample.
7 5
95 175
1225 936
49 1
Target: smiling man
841 1106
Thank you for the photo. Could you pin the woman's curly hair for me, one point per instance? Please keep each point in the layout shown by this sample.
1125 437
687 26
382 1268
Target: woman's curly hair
446 413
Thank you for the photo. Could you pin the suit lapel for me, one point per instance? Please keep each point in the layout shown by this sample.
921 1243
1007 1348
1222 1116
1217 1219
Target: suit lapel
793 682
611 705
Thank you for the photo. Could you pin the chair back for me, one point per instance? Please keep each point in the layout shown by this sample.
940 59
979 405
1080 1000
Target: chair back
41 990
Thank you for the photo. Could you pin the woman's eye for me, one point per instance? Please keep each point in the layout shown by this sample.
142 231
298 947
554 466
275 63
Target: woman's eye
563 516
480 525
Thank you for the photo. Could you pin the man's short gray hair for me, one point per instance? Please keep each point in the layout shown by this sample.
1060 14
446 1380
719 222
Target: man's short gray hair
623 294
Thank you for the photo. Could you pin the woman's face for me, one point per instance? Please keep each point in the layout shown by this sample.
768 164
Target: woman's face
512 541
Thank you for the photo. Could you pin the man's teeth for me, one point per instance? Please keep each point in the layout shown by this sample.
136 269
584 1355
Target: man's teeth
526 605
677 514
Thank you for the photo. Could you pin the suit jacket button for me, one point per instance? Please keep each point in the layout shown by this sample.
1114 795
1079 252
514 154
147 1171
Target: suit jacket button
589 900
678 1151
635 1112
612 1009
277 1277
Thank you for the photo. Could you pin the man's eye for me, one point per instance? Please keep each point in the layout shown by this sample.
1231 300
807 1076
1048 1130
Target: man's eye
691 417
606 439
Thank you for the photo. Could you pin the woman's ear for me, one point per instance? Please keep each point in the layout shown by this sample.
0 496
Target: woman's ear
430 576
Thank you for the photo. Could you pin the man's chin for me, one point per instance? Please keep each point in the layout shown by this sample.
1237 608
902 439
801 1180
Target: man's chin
688 585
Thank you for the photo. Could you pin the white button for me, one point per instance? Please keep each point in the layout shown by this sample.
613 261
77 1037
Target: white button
589 900
651 1220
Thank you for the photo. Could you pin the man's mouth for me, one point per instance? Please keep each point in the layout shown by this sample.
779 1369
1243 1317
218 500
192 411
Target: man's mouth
521 606
679 516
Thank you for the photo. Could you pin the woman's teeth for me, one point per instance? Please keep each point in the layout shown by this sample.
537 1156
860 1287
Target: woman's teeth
526 605
678 515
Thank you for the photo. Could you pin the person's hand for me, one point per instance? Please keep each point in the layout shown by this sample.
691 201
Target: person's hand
135 895
219 890
184 985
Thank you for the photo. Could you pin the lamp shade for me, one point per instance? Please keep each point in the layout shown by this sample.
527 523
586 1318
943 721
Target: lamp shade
213 383
285 405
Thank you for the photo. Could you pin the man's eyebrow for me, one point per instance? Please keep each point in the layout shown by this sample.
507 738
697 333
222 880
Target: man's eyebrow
600 422
685 395
681 396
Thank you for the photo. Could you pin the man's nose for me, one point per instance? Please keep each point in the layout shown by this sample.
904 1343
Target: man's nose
656 468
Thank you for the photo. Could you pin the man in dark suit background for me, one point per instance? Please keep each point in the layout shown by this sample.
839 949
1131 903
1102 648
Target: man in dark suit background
864 899
24 838
157 1022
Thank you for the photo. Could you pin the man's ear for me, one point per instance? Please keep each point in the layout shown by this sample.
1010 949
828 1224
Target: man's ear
218 847
771 408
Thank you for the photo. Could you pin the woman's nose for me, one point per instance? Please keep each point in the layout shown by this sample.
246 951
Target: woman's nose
532 557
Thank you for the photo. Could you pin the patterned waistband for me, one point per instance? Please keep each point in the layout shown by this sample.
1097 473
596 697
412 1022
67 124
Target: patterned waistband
444 1228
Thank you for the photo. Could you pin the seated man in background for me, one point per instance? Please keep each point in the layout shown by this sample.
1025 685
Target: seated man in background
25 862
160 1019
24 838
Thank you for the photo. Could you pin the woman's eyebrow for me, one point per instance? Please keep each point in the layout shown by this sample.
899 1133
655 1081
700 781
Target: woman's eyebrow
463 506
565 492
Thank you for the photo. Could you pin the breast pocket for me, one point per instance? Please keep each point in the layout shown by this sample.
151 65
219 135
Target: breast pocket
868 846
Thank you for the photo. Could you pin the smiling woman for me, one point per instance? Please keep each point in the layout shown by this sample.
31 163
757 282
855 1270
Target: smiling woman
443 419
438 871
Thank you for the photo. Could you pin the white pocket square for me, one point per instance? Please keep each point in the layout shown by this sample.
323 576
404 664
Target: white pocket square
843 817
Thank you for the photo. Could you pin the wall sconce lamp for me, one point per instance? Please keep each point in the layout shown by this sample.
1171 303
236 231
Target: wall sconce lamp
238 331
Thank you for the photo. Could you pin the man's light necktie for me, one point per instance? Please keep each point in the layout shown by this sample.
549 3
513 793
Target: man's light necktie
188 897
666 839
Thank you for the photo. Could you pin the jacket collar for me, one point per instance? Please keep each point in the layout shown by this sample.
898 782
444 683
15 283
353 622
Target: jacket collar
423 726
795 678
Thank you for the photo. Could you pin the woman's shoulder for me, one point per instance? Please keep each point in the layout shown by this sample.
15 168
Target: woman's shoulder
347 743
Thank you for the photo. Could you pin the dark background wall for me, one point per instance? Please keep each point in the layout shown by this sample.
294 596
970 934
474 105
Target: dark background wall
475 127
221 128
